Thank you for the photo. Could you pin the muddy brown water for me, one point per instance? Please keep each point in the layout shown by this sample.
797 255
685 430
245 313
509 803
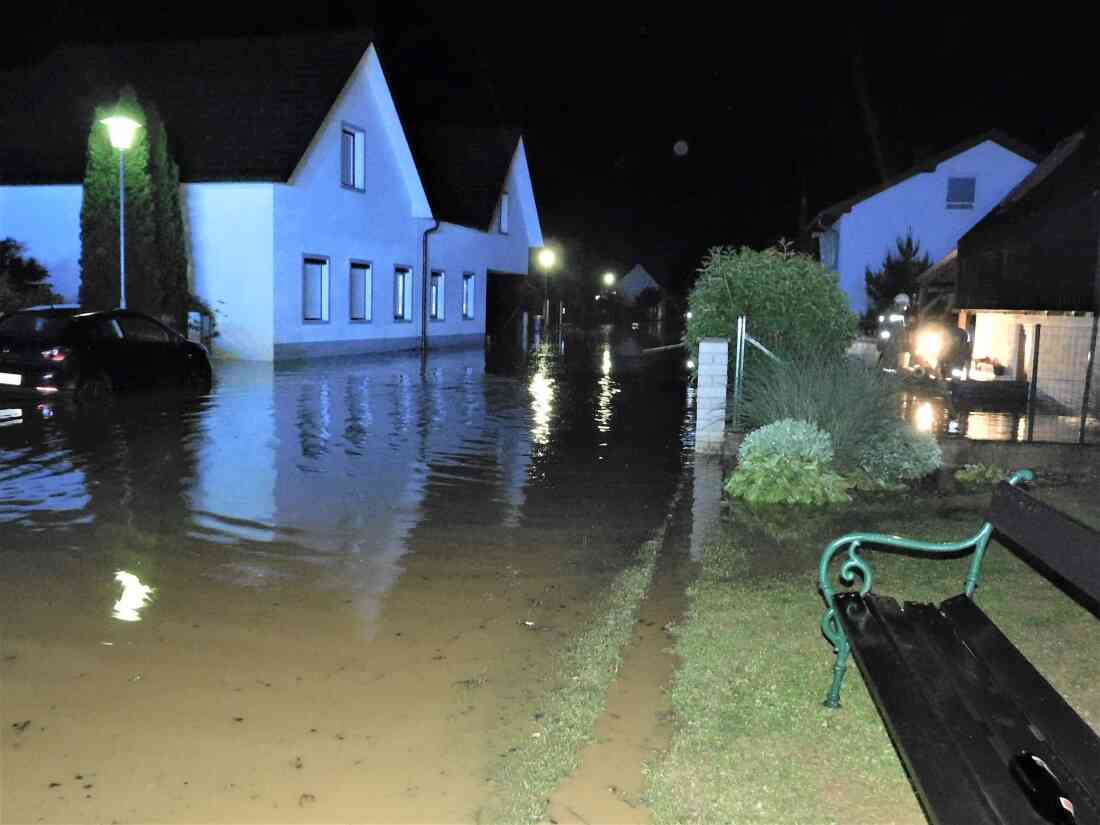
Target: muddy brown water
325 592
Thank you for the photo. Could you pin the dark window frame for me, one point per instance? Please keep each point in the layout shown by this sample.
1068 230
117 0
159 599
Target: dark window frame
353 264
399 311
325 288
469 307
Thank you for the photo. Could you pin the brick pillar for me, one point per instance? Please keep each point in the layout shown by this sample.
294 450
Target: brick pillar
710 409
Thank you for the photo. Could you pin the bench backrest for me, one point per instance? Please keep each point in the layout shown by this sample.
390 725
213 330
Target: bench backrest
1062 548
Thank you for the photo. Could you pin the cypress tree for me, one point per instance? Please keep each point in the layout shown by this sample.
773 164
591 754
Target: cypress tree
99 215
170 241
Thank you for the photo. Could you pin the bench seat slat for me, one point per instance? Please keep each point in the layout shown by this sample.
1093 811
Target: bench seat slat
1056 543
992 723
1077 744
945 785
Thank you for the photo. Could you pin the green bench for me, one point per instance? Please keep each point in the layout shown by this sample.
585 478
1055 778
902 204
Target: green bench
983 735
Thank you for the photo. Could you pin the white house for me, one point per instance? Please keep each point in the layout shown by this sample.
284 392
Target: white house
938 200
318 223
635 282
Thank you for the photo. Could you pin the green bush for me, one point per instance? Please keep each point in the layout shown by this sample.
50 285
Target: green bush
852 402
790 438
980 475
787 462
794 305
901 454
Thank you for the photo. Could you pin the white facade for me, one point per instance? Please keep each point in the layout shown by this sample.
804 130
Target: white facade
249 243
861 238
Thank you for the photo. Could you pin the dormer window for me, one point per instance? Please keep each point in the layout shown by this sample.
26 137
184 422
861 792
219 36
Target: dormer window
502 222
352 158
960 193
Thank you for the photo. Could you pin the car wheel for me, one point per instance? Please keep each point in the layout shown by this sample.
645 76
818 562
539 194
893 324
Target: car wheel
94 387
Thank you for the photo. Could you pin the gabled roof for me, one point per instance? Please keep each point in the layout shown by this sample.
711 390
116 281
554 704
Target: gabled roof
463 169
828 216
235 109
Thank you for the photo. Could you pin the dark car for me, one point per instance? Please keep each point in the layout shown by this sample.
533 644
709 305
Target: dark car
48 350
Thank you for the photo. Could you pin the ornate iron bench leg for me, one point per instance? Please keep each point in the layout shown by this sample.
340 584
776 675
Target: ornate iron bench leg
831 628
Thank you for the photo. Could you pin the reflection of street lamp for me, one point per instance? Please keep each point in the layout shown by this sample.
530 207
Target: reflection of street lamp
122 131
547 258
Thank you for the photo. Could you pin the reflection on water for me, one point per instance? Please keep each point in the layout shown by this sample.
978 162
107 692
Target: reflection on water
332 464
937 414
135 596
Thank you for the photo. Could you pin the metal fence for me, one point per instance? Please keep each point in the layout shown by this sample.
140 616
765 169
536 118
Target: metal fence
1063 393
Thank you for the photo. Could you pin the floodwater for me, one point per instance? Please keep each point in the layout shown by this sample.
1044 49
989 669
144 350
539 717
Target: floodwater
329 591
937 414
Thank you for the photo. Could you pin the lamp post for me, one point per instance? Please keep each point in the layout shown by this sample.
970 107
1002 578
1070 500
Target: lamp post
122 130
547 258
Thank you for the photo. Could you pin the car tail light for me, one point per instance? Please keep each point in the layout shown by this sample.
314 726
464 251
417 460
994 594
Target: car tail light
55 353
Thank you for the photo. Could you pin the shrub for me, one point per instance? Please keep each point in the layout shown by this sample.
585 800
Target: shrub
852 402
794 304
901 454
980 475
787 462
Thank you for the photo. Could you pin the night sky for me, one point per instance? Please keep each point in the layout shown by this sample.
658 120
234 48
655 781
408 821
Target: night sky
766 107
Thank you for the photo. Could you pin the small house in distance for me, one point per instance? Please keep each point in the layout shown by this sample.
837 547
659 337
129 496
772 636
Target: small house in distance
641 292
937 200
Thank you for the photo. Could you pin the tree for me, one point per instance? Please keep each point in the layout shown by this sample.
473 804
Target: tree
22 279
899 274
156 259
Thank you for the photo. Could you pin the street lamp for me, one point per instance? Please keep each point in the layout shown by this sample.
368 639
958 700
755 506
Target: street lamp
547 259
609 279
122 130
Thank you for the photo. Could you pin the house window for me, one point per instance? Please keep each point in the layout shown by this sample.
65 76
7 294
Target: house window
960 193
352 159
468 294
315 289
503 221
361 291
436 297
402 293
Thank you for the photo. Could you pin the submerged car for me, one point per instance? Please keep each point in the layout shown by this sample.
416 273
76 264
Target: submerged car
50 350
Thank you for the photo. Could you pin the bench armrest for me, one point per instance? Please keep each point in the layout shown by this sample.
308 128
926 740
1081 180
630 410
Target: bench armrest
856 566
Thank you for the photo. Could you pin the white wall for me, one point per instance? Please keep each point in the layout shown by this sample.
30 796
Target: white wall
315 215
230 227
869 231
46 219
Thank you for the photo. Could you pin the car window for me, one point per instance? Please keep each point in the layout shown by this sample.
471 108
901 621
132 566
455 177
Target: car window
141 329
33 325
104 329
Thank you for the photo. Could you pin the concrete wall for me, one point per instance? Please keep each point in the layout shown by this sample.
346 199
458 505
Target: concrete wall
230 228
46 219
869 231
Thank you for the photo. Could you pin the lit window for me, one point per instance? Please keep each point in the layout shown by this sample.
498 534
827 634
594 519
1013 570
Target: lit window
402 293
361 291
436 297
352 160
503 224
468 295
960 193
315 289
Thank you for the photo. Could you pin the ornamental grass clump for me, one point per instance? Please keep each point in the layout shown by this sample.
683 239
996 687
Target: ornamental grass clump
852 402
787 462
901 455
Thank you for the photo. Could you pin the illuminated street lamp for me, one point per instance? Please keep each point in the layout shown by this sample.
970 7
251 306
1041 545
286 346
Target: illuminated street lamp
609 279
547 260
122 131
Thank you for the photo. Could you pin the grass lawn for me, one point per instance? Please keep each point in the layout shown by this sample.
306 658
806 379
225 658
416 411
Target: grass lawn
754 743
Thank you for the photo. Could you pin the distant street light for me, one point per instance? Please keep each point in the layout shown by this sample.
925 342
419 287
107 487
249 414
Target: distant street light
122 131
547 260
609 279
